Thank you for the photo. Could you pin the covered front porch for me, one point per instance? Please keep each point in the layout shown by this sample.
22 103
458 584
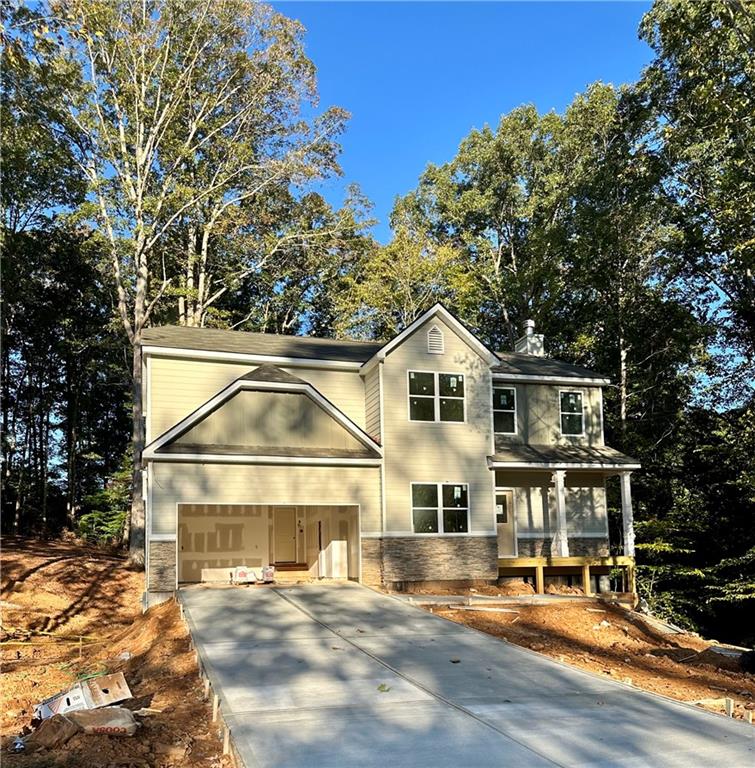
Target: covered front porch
552 517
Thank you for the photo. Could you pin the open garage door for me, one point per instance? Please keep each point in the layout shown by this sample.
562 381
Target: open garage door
318 541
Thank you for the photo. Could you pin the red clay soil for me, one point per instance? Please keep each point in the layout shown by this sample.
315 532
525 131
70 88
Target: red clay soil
70 590
609 640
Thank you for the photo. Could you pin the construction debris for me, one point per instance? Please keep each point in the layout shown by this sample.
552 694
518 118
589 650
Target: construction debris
96 692
111 721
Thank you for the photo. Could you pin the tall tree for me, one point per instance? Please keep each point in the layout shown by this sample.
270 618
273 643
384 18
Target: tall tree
178 112
701 87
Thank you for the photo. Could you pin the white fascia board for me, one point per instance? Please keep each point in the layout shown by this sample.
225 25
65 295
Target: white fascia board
524 378
226 394
218 458
413 535
240 357
560 465
161 536
438 310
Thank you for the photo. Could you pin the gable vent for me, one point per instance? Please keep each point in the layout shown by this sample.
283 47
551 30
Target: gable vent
435 341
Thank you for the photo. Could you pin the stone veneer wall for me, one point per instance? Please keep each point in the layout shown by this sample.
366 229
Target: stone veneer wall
429 558
588 547
162 566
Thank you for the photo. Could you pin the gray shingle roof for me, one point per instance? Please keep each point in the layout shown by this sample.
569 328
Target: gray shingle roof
271 373
562 454
245 342
529 365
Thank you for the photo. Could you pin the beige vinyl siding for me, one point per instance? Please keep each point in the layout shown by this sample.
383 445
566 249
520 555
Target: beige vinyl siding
261 484
270 419
538 413
177 387
535 501
372 403
437 451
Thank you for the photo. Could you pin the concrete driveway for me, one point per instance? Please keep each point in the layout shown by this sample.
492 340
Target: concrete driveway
337 675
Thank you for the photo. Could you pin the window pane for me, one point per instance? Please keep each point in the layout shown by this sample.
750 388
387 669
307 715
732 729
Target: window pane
571 423
503 422
425 520
455 496
501 508
455 520
451 385
422 408
571 402
424 495
451 410
421 383
503 399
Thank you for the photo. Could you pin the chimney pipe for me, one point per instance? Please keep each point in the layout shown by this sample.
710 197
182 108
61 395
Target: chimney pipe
529 327
531 343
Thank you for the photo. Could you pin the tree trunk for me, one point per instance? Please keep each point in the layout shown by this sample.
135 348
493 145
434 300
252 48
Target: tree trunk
135 528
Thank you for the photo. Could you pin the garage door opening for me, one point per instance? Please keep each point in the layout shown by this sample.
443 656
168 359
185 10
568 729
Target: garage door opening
321 540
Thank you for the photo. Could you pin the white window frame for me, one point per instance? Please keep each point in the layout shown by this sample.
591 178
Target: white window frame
439 509
501 410
570 413
436 396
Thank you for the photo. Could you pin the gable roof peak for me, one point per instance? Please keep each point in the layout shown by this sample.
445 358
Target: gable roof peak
271 373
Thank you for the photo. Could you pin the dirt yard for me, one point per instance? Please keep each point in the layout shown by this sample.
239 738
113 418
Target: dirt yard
609 640
69 590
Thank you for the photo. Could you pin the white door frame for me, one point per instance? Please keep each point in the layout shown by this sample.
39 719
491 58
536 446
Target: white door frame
512 490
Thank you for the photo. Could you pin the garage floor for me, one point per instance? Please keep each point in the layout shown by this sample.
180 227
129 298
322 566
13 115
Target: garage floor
324 676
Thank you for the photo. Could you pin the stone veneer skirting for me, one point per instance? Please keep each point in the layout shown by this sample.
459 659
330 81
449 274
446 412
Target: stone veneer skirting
578 547
429 558
162 566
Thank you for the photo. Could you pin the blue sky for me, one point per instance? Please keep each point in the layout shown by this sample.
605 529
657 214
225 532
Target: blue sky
418 76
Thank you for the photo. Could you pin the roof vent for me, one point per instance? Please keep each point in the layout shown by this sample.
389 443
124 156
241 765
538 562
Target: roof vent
435 344
531 343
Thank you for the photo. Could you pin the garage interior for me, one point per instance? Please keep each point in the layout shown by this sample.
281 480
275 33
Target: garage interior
309 541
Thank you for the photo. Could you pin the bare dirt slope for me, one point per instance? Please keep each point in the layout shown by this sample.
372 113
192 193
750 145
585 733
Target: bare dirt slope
69 590
610 640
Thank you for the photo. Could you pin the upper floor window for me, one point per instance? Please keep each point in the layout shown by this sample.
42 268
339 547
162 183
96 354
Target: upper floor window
440 507
504 410
572 413
435 344
436 396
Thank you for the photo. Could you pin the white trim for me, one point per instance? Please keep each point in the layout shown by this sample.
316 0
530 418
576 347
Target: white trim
233 458
382 442
436 396
412 535
561 413
253 359
438 310
549 534
512 491
546 465
566 381
500 410
439 508
163 536
234 387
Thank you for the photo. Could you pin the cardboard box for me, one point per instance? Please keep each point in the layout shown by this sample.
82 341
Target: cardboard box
87 694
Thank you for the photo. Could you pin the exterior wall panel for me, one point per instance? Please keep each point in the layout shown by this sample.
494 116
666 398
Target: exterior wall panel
418 451
262 484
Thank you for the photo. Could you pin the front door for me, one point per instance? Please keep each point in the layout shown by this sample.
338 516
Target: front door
504 521
284 531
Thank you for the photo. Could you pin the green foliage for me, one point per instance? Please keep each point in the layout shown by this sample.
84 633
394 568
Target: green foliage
106 510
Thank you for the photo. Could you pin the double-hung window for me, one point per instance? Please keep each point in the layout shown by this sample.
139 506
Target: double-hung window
440 507
436 396
572 413
504 410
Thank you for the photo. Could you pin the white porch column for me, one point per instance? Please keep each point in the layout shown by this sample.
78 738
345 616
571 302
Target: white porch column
560 545
627 515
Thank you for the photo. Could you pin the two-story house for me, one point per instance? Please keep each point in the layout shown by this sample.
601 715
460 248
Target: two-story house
422 459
